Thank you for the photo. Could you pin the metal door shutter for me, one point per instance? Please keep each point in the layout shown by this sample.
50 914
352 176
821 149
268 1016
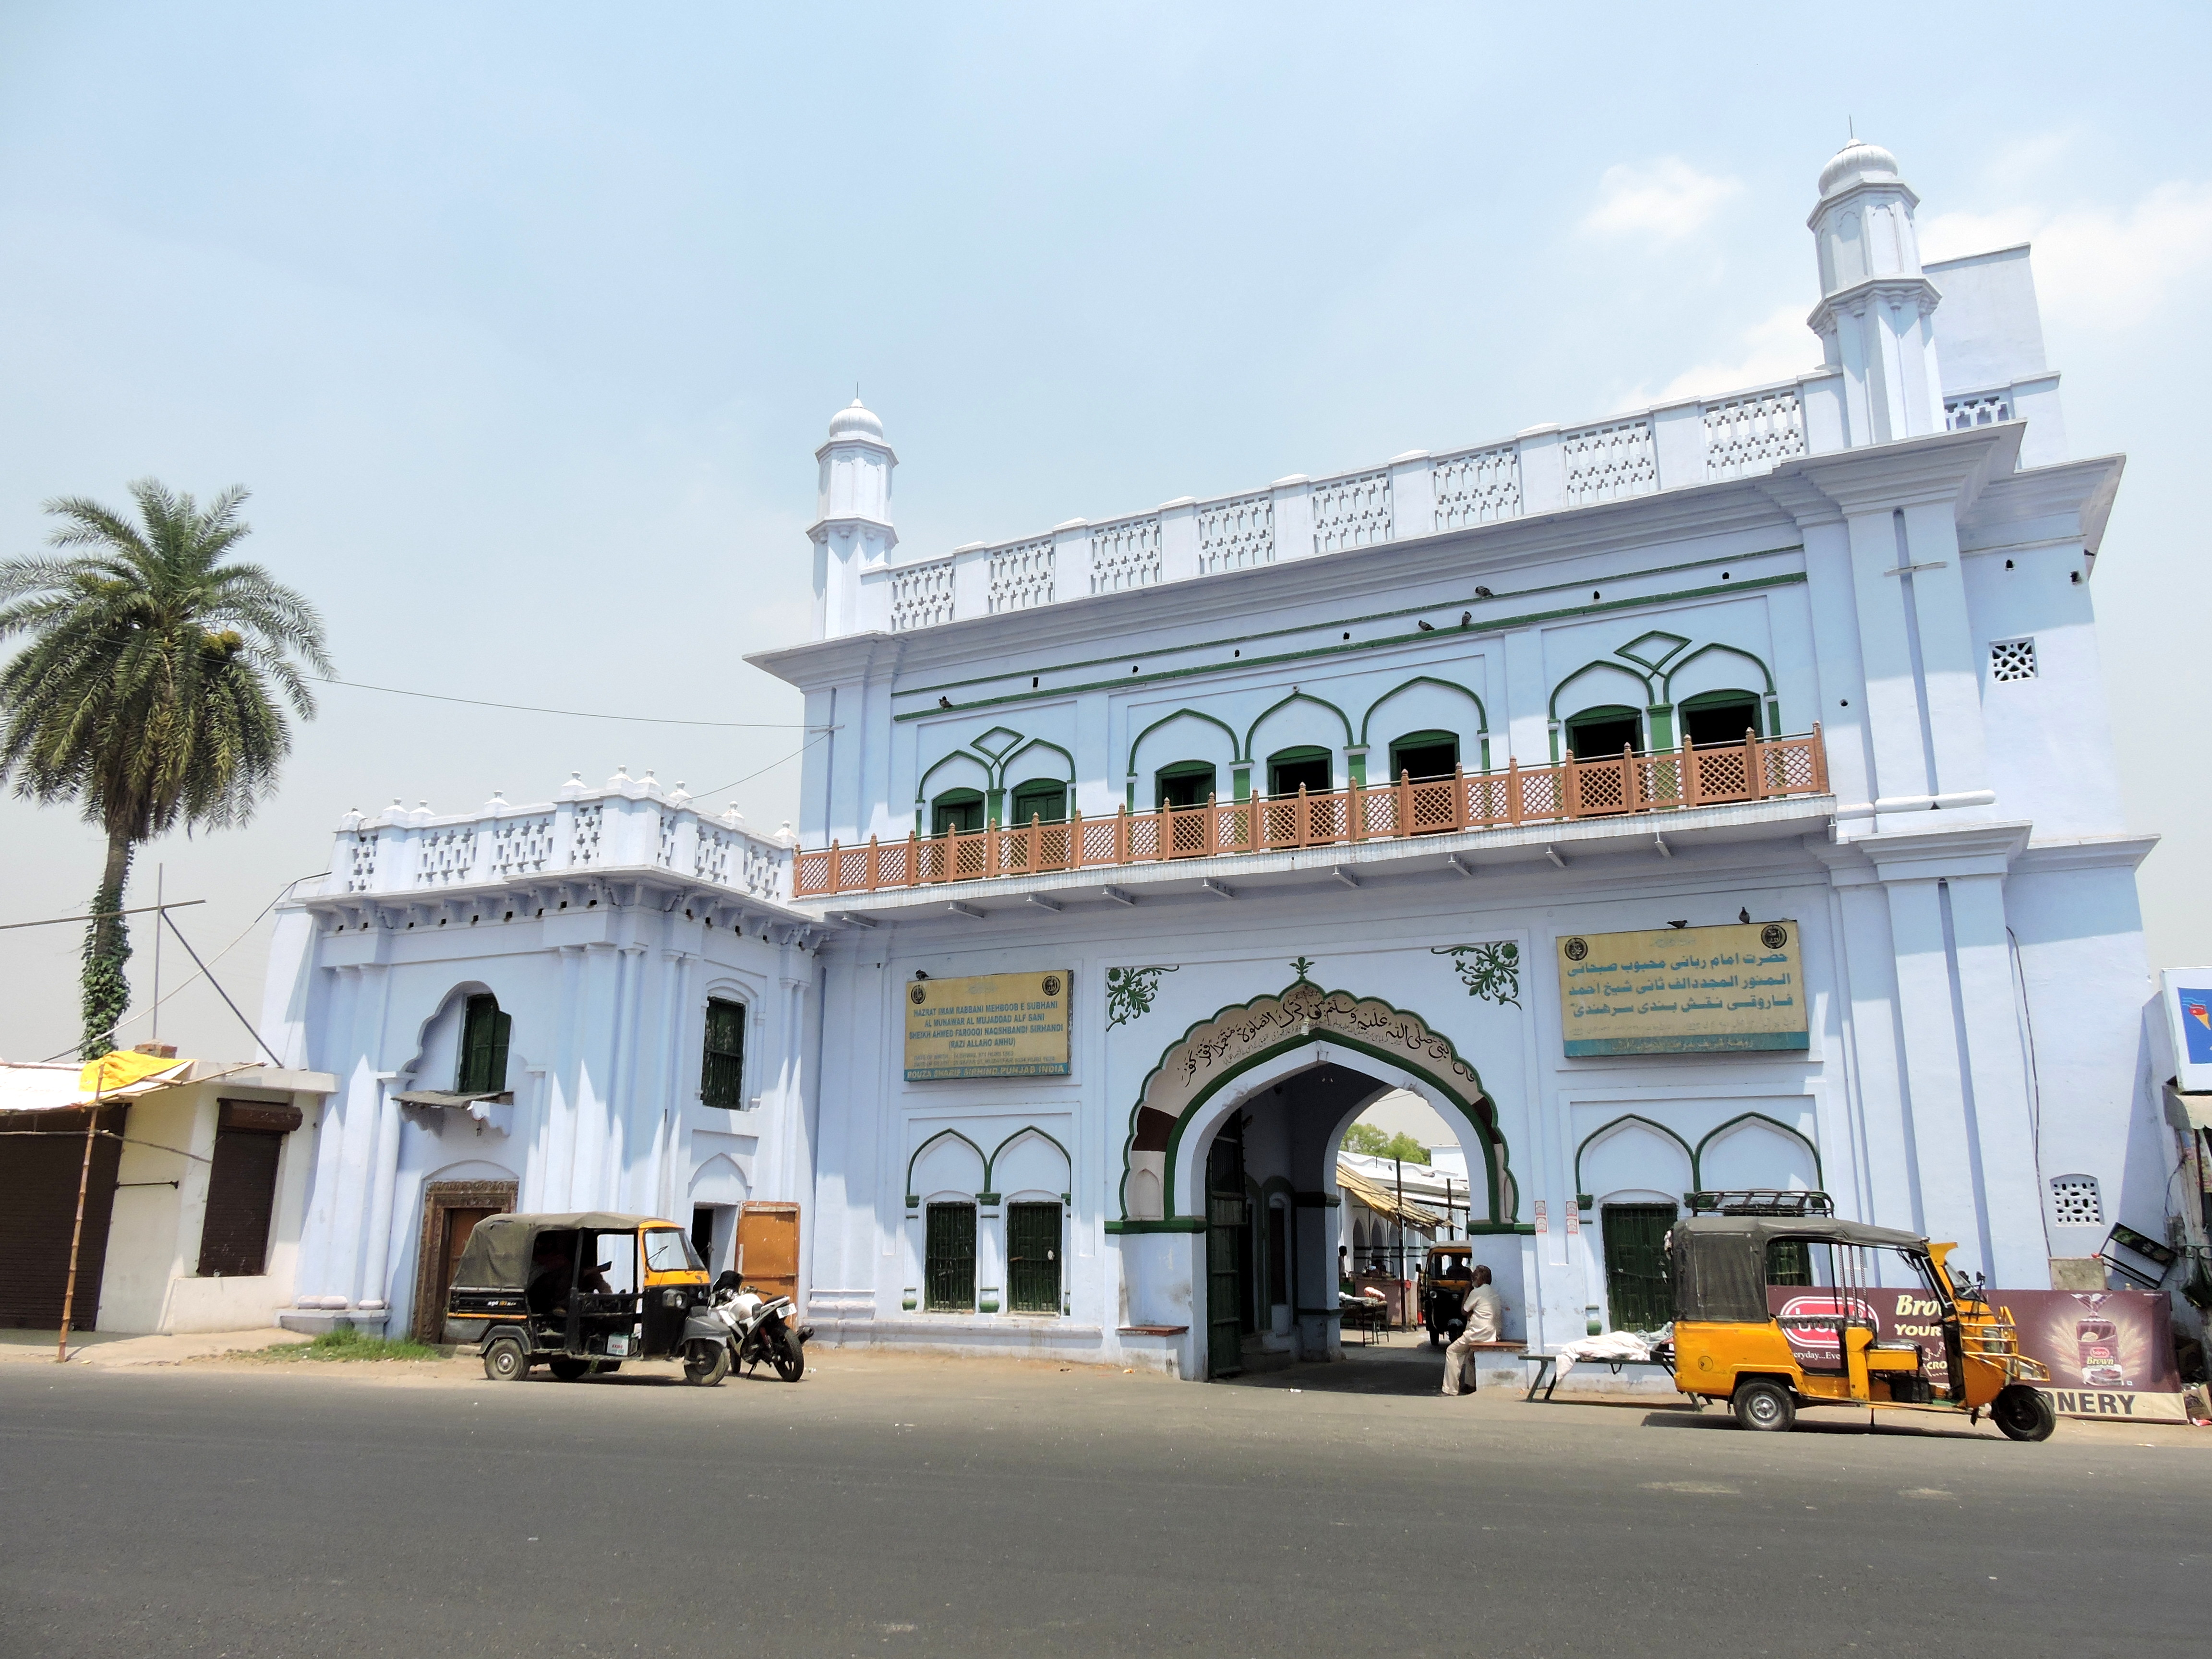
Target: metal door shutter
39 1172
241 1192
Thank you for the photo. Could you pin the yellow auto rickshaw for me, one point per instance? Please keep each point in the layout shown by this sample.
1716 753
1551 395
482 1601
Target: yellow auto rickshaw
1446 1278
1824 1345
582 1293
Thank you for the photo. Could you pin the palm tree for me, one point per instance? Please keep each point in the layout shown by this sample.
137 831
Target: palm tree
145 693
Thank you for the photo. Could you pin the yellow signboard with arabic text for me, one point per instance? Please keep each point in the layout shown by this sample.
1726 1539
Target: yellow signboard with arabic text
1683 991
992 1025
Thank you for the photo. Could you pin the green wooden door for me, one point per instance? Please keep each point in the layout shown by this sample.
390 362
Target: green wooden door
1635 1283
1226 1225
949 1259
1033 1258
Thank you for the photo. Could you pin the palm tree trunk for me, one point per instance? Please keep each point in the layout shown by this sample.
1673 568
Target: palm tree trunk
106 949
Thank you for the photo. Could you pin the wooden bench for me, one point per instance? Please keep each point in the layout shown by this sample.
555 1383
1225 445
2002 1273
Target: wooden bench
1475 1378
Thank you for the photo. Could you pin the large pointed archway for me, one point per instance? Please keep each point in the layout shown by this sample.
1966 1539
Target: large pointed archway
1236 1048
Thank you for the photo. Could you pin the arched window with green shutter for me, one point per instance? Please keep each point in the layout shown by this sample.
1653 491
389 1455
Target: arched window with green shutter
722 1069
1421 755
1718 717
957 809
1183 783
483 1047
1043 798
1307 768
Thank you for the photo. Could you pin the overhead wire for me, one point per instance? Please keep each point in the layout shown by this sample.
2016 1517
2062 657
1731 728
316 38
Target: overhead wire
576 714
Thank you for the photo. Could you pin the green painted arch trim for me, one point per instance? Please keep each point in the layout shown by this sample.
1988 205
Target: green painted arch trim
1022 749
1496 1153
1236 749
1481 714
1610 666
911 1198
990 771
1688 1152
1697 1156
1295 697
991 1163
1767 674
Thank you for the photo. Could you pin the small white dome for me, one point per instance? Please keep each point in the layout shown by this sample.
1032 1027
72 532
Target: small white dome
856 421
1856 160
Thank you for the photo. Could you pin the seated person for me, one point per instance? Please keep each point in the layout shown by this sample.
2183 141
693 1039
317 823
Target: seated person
552 1266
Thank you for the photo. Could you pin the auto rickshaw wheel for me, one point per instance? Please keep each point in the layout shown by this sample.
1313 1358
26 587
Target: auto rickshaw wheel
568 1370
2024 1413
707 1363
789 1355
1764 1406
504 1361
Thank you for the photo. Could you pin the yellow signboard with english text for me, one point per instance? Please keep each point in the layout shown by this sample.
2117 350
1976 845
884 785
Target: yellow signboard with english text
992 1025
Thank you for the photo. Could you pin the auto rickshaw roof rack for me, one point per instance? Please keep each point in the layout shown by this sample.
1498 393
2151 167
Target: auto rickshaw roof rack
1761 1201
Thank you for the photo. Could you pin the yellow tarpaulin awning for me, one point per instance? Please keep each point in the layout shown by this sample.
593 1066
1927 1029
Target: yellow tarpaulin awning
1384 1202
122 1075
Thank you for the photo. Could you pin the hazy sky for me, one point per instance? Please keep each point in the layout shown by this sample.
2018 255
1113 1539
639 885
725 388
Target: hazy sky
522 323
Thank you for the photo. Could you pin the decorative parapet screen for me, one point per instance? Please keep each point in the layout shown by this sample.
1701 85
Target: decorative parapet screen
448 856
1021 575
1237 534
583 845
1125 555
921 595
1609 462
1480 486
521 846
360 856
1752 434
1982 408
1352 512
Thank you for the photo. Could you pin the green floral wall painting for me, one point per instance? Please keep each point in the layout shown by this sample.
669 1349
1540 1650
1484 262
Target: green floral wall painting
1302 967
1129 993
1491 971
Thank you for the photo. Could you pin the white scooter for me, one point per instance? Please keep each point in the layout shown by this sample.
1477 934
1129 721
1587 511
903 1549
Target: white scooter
740 1327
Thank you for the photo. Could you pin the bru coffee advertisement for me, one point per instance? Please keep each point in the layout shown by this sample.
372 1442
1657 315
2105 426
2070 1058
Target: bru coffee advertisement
2110 1353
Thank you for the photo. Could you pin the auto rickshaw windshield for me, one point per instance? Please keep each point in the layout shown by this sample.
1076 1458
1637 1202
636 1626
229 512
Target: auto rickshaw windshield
669 1251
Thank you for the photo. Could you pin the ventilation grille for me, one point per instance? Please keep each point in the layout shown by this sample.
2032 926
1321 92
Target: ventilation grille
2012 659
2075 1202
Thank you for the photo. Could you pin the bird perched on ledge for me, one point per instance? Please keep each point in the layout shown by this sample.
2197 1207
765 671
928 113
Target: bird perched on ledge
1426 626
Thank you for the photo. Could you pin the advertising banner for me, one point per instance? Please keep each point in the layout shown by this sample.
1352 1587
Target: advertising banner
2188 999
992 1025
2110 1353
1683 990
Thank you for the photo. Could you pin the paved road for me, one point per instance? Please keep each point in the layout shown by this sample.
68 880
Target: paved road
908 1507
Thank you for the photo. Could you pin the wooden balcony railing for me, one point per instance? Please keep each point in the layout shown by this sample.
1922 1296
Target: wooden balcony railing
1710 775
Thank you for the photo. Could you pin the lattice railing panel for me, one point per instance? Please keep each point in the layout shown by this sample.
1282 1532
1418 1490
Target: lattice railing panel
521 846
921 595
1984 409
1754 433
1125 555
1610 462
1021 575
1352 512
1481 486
1237 534
1669 781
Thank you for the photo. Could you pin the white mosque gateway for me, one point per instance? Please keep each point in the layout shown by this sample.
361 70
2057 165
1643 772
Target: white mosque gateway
1714 796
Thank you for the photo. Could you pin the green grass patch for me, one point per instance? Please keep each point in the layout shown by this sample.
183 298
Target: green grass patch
344 1343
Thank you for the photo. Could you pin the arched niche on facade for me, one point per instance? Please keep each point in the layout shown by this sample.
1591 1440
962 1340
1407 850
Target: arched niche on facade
947 1164
1753 1151
957 770
1245 1049
1030 1163
721 1181
1184 736
1301 721
1713 674
435 1061
1425 704
1634 1156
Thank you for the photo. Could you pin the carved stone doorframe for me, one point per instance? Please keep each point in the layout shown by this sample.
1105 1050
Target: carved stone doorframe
440 1197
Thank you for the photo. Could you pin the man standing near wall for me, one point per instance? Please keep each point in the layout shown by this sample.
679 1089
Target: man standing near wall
1485 1316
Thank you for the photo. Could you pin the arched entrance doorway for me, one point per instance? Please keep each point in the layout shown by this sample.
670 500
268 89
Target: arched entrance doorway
1232 1148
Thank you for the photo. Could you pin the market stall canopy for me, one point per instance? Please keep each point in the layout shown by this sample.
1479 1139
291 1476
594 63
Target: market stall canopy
118 1076
1384 1201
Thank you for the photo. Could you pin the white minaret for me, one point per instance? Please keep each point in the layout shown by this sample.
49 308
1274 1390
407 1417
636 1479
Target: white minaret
1877 315
852 530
